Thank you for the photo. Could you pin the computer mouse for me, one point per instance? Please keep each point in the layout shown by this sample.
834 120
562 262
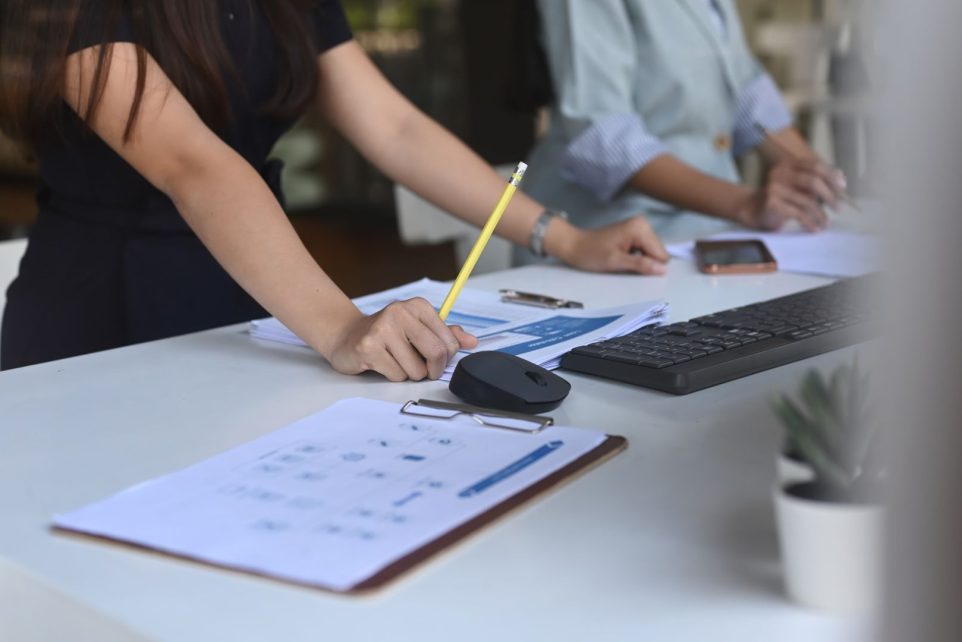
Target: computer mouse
505 382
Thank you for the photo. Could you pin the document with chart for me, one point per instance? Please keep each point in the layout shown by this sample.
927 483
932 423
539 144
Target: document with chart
336 497
536 334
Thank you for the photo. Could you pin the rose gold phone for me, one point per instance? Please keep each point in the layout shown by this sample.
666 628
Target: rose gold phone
749 256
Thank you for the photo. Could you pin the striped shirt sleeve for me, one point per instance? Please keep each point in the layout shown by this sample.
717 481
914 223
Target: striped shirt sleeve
603 157
760 103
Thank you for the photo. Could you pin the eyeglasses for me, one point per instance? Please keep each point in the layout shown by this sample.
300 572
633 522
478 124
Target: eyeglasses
531 424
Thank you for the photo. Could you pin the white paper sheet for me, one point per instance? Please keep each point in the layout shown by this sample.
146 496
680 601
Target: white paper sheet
546 339
335 497
835 253
475 310
536 334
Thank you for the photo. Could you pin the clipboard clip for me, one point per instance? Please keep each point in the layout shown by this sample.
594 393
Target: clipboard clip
537 300
516 421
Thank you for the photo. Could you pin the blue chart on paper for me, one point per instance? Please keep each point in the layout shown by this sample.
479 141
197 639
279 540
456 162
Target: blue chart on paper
511 469
555 330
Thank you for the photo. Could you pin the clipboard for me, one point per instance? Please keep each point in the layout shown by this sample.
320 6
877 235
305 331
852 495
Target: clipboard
144 515
610 447
538 300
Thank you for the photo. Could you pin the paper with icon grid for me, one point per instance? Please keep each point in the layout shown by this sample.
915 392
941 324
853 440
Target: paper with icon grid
333 498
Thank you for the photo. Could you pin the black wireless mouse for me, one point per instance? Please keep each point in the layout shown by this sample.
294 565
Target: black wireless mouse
505 382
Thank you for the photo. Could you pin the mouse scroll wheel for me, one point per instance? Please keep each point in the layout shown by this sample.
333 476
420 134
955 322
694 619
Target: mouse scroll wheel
536 377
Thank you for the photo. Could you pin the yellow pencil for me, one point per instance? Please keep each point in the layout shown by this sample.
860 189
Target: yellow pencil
483 239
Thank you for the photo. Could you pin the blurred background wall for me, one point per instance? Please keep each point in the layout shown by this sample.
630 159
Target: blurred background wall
922 164
452 58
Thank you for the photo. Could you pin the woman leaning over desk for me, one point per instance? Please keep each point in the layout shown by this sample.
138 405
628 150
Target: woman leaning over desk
152 121
653 101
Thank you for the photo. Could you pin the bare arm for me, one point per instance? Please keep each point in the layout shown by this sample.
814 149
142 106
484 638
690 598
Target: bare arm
796 187
784 142
228 205
415 151
668 179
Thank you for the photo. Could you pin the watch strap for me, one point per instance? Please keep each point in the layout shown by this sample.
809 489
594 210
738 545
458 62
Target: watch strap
536 242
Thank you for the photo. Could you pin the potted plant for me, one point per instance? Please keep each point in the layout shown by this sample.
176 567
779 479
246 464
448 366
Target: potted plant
830 526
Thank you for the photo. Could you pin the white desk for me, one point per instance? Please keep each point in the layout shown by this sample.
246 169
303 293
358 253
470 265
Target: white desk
671 540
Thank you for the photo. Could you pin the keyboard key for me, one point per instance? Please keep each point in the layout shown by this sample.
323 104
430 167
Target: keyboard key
657 363
624 357
593 350
661 354
783 329
684 329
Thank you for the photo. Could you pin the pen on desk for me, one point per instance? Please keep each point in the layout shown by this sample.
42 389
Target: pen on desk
483 239
846 197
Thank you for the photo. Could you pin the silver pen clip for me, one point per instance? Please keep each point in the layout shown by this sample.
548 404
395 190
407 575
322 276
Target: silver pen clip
519 422
537 300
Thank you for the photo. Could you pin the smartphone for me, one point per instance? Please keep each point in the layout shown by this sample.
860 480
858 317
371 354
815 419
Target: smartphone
749 256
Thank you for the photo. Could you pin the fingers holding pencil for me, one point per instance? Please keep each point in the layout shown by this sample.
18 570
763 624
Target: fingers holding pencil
404 341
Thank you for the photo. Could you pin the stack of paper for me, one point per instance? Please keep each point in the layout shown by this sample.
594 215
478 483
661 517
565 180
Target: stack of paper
834 253
538 335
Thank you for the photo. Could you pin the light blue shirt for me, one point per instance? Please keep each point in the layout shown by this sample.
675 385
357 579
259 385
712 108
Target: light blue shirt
636 79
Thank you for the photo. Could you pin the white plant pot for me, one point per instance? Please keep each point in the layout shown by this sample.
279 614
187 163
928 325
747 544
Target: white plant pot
791 471
831 552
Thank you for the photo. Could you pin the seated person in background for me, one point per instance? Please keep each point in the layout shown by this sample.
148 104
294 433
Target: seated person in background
653 101
160 214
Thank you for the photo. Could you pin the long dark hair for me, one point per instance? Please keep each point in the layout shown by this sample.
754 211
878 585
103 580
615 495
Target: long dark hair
184 36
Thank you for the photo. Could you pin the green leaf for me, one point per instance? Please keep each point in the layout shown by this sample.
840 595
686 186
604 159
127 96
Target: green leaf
822 408
826 470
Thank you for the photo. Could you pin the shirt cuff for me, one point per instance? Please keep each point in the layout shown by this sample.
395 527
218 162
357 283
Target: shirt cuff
759 104
603 157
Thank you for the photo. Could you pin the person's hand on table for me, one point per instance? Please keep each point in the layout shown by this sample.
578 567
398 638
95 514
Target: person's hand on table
405 340
795 189
627 246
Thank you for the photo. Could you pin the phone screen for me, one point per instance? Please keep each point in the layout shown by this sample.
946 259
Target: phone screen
734 257
741 253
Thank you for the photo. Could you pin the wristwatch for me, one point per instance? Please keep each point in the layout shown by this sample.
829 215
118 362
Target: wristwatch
536 242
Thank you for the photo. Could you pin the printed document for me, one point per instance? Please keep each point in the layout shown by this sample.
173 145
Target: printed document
333 498
539 335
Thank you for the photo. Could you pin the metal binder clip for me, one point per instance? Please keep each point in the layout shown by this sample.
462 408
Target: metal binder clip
531 424
537 300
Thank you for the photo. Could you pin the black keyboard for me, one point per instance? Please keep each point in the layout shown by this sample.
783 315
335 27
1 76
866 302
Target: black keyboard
685 357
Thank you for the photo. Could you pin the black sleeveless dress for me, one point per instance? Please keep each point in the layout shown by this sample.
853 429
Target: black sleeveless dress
110 262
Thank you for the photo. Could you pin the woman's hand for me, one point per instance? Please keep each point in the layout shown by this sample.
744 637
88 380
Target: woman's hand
795 189
405 340
628 246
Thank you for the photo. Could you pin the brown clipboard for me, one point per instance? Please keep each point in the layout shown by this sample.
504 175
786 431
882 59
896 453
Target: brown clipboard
611 446
608 448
